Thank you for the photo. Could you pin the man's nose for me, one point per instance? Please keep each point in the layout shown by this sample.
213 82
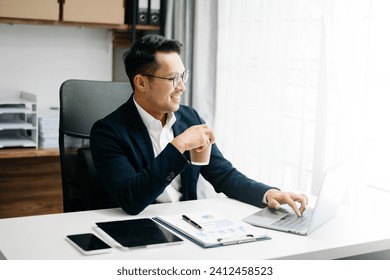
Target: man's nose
181 86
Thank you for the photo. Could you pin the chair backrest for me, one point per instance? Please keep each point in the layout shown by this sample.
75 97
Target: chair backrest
83 102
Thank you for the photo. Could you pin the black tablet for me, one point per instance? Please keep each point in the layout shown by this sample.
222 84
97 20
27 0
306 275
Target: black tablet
142 232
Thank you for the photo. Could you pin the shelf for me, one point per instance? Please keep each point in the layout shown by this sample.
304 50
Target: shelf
118 27
21 142
15 110
16 102
18 121
28 153
16 124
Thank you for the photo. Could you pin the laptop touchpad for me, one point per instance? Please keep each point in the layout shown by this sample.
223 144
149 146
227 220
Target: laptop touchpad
266 216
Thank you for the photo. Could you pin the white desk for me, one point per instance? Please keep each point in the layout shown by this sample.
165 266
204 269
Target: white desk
43 237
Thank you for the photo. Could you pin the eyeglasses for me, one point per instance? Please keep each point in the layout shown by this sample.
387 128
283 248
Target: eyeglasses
175 79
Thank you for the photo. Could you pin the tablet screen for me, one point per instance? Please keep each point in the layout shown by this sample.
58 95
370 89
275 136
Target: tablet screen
138 232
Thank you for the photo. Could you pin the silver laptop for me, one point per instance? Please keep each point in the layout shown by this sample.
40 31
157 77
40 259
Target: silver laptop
330 195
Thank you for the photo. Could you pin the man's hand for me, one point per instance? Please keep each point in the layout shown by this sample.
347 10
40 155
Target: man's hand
275 198
197 137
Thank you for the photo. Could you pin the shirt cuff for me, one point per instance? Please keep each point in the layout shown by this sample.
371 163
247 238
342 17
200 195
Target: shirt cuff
264 201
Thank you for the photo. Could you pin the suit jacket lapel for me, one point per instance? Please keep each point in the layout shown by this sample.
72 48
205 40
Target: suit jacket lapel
188 188
178 128
138 131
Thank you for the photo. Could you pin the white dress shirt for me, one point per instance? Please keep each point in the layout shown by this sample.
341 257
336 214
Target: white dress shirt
161 136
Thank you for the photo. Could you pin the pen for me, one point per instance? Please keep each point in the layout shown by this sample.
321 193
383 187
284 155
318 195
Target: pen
188 220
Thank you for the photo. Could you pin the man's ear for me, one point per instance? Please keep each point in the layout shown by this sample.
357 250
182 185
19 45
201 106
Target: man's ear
140 82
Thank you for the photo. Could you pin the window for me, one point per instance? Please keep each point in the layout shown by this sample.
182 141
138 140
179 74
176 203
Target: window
303 85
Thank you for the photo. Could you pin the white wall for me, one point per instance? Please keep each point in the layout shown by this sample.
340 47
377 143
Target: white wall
37 59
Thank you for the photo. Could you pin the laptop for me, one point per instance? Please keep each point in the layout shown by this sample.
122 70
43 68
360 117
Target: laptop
333 187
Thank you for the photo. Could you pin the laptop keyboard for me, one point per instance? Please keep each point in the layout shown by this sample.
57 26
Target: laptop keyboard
292 221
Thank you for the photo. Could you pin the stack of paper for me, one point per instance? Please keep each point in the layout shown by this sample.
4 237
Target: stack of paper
48 123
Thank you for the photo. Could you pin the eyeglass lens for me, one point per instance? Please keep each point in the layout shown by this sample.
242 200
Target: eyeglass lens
183 77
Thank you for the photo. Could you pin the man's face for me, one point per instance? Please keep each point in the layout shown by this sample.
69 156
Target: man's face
161 97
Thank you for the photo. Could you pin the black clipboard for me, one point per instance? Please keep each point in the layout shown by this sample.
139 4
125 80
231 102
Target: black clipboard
136 233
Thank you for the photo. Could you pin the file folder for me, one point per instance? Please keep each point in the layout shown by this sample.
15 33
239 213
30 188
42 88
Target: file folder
146 12
155 7
143 12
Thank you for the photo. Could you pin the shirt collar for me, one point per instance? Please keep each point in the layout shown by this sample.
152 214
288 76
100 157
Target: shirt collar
148 119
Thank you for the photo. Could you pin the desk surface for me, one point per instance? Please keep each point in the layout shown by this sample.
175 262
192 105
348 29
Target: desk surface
43 237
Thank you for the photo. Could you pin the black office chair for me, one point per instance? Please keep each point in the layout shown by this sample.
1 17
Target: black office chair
82 103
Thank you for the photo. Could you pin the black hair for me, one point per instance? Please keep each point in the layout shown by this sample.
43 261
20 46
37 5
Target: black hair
141 58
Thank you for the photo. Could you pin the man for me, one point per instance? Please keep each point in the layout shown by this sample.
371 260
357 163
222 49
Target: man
141 150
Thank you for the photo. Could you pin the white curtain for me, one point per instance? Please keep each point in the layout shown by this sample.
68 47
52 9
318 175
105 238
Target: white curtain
179 25
195 24
303 85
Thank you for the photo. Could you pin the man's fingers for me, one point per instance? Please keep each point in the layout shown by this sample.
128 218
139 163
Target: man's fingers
302 209
303 201
275 198
294 206
210 135
273 203
301 198
206 143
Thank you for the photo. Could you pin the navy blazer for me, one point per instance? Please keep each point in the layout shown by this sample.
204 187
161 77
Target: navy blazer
123 155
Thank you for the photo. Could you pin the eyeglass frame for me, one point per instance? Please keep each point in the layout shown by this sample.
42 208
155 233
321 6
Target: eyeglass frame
181 77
